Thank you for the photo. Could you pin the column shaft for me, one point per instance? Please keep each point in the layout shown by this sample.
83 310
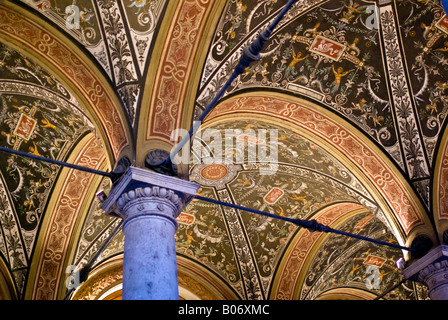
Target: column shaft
149 203
150 265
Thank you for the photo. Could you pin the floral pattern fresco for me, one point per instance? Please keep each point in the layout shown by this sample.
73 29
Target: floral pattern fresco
382 69
327 51
241 247
250 246
98 229
38 116
100 27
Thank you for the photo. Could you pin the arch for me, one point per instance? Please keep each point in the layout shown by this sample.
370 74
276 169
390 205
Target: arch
360 155
70 201
41 42
195 282
199 281
346 294
440 187
7 287
114 293
104 282
292 269
182 55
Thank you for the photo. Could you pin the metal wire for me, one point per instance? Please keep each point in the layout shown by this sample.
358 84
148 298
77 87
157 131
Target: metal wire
250 54
311 225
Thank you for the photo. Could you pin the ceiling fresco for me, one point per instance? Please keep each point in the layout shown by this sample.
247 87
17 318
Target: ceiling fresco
245 249
329 64
38 116
118 35
327 51
97 228
343 263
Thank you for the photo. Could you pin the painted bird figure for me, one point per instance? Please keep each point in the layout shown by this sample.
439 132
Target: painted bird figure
140 4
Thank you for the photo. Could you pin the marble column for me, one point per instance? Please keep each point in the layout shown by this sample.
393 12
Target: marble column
432 271
149 204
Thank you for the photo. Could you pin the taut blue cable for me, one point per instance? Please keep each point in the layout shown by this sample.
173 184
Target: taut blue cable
445 5
251 53
311 225
60 163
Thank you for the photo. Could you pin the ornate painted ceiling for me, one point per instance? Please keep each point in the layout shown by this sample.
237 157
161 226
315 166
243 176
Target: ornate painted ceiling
117 34
327 52
358 100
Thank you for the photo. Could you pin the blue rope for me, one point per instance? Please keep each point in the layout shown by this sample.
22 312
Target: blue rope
60 163
445 5
251 53
311 225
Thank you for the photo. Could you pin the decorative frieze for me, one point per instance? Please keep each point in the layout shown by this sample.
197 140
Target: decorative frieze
401 97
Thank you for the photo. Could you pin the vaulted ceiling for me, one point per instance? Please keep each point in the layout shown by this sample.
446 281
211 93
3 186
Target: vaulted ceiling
358 100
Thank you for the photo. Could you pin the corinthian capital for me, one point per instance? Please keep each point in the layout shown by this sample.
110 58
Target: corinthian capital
434 274
432 271
150 193
138 184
